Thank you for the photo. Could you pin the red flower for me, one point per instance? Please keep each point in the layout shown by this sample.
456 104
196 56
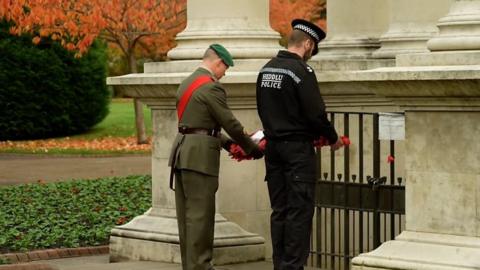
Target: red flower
390 159
345 140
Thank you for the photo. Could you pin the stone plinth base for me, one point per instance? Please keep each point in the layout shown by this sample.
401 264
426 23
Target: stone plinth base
155 238
320 64
453 58
425 251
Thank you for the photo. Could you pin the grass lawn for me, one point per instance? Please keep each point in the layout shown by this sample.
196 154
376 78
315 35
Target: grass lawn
116 134
120 122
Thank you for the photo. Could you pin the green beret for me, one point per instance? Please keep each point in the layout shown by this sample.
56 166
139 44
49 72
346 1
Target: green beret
223 54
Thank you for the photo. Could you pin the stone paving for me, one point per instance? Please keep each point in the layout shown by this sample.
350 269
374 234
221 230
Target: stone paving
20 169
100 262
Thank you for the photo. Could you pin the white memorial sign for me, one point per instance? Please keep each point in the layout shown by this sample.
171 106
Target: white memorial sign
391 126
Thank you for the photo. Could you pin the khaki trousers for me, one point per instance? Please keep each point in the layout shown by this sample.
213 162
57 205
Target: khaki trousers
195 203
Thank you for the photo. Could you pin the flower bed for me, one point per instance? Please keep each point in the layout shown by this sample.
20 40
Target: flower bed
69 214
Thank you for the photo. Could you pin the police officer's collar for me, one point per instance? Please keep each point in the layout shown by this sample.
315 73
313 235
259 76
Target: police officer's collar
287 54
209 71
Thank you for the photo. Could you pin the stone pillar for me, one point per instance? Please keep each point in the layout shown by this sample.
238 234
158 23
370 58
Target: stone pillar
442 164
442 112
458 41
439 93
354 28
459 29
241 26
412 24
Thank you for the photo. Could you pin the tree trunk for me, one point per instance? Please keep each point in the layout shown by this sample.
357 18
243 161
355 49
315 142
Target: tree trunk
139 118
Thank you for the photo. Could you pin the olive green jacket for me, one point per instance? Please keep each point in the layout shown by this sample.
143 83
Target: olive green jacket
208 109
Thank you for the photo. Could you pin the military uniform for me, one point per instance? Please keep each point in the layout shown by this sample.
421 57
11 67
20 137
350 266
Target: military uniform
195 160
293 115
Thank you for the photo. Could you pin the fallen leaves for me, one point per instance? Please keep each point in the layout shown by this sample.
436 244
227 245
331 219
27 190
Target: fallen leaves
109 144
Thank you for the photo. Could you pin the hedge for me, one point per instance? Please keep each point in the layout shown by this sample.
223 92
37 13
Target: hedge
46 92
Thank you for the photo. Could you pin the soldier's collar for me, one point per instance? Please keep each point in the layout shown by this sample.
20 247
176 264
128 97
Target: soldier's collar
209 71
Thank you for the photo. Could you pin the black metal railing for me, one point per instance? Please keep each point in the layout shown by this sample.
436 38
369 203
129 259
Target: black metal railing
355 213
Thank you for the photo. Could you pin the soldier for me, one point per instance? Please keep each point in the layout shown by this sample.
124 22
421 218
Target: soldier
202 111
293 116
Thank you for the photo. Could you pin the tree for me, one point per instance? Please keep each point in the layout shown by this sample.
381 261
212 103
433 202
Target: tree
131 25
282 12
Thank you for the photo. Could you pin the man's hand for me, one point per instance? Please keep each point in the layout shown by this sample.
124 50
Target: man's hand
337 145
256 153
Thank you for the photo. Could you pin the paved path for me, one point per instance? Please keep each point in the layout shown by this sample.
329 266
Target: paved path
18 169
100 262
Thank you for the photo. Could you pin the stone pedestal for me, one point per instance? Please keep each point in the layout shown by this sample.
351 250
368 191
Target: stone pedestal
442 112
440 94
412 24
154 235
354 28
353 33
459 29
243 28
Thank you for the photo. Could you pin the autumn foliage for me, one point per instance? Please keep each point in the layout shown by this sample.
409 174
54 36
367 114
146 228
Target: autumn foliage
282 12
137 28
105 144
76 23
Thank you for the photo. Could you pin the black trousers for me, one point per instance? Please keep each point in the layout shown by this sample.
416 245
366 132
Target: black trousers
291 172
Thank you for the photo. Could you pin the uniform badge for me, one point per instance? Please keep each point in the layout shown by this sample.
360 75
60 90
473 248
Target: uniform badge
309 69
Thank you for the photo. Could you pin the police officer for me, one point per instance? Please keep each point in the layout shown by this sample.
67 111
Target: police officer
293 116
202 110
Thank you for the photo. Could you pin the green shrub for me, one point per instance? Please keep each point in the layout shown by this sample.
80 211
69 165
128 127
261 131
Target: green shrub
69 214
4 260
46 92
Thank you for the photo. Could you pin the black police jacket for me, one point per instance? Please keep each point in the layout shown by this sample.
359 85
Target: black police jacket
289 102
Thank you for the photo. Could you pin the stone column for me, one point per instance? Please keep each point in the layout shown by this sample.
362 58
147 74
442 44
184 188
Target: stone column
459 29
439 92
457 42
241 26
412 24
354 28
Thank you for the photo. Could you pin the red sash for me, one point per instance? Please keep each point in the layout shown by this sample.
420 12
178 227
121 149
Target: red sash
182 104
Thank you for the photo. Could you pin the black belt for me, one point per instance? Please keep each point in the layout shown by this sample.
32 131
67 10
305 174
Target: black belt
184 130
201 131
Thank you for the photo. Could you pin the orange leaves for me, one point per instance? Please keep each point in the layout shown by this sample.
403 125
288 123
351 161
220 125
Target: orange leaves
70 27
14 31
102 144
36 40
70 46
4 6
282 12
79 22
55 36
44 32
121 220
